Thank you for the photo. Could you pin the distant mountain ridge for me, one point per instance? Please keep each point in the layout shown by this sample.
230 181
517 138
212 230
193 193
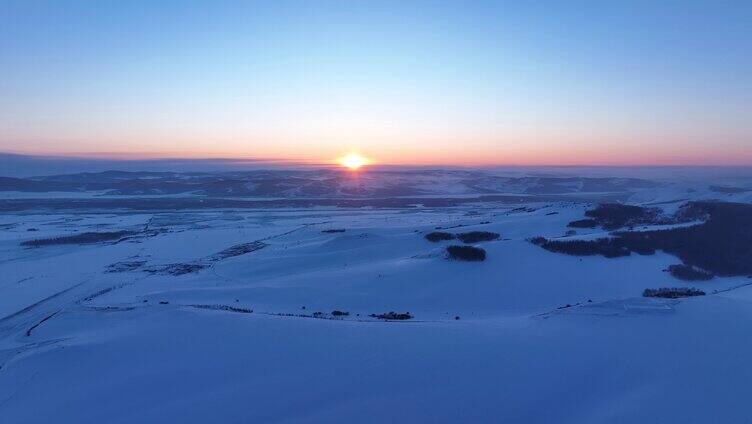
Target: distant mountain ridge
317 183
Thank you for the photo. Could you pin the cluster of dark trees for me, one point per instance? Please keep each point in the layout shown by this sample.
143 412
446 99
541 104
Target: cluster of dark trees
224 308
477 236
612 216
673 293
608 247
393 315
468 237
721 245
466 253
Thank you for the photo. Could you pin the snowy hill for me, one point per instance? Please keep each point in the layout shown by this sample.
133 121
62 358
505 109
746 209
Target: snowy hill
228 314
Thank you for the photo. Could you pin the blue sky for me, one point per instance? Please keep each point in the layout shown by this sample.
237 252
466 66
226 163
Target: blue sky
399 81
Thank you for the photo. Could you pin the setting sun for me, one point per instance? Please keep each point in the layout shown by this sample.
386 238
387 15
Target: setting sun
353 161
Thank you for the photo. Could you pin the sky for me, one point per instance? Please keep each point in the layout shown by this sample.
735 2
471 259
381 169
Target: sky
400 82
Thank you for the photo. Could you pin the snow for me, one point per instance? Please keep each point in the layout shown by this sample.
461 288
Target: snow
84 345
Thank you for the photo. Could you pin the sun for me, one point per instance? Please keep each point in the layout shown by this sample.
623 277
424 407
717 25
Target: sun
353 161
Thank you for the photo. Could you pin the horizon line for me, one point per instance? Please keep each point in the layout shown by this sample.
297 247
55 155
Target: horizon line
147 157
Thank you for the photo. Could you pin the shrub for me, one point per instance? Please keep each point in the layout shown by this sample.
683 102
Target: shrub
689 273
437 236
583 223
393 316
340 313
466 253
477 236
334 230
673 293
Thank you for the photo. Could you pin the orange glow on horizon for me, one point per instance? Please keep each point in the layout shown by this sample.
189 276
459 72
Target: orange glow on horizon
353 161
620 152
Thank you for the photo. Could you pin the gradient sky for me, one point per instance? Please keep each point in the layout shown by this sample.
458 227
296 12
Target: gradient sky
411 82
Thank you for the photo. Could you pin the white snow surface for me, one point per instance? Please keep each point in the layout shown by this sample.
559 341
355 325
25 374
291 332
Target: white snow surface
79 344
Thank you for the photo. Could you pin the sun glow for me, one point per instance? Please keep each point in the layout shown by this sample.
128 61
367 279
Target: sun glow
353 161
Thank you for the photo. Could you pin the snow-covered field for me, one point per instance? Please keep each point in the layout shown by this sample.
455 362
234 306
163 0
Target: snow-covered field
117 332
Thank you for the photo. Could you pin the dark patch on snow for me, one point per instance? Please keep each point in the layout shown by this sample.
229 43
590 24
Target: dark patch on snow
101 292
729 190
438 236
237 250
82 238
176 269
689 273
124 266
583 223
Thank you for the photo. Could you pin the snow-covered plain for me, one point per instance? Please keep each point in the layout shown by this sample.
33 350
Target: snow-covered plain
108 333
